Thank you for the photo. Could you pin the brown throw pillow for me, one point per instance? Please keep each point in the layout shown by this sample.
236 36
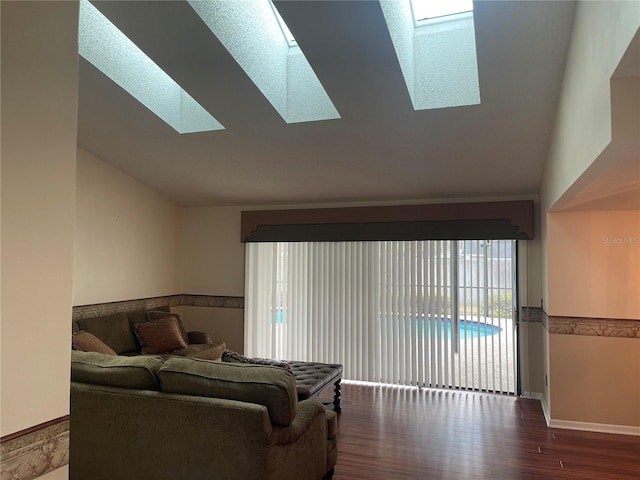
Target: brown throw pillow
87 342
158 314
159 336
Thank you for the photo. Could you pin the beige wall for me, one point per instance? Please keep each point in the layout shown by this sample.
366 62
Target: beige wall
127 237
213 256
213 264
39 105
594 263
594 260
531 360
581 275
530 333
223 324
530 266
595 379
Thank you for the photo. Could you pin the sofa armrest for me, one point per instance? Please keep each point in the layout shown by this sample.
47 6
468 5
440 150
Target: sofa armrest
199 337
332 442
308 413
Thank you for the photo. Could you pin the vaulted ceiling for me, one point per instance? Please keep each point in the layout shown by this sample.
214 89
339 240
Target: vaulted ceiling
379 150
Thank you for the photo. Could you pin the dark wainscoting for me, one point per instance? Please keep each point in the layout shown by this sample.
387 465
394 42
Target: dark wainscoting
601 327
584 326
35 451
124 306
595 327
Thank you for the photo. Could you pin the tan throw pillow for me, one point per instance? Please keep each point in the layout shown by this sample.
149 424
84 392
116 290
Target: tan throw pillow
159 336
87 342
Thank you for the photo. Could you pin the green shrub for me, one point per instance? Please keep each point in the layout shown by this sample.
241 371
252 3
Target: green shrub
501 305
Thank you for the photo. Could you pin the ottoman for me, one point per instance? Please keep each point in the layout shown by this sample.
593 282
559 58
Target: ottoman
312 378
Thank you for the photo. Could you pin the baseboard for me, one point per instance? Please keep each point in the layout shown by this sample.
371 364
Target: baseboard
533 395
545 410
583 426
595 427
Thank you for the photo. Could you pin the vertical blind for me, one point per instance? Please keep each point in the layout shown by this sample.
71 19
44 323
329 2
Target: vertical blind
426 313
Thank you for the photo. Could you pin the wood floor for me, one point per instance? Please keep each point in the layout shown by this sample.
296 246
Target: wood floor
402 433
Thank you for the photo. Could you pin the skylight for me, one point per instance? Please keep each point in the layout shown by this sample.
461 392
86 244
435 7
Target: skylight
437 53
110 51
291 41
429 9
263 46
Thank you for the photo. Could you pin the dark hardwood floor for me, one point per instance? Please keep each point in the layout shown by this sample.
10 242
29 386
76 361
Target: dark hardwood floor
402 433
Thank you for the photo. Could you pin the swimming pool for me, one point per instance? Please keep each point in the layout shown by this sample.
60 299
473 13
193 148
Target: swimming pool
468 328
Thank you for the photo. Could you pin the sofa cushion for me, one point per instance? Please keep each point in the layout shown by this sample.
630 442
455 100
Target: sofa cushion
140 316
273 387
199 337
160 336
87 342
114 330
206 351
159 314
139 372
137 316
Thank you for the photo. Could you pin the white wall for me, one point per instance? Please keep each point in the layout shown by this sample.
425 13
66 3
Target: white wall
127 237
39 105
602 32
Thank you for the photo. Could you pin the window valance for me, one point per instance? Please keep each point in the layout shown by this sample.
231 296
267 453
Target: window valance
448 221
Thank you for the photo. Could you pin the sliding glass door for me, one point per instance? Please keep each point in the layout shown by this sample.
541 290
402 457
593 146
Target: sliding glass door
425 313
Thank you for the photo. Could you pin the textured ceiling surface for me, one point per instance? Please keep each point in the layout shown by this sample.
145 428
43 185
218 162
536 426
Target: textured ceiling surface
379 150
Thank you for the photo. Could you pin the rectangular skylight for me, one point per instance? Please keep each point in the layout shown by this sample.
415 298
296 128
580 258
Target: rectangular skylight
283 26
428 9
110 51
437 55
253 35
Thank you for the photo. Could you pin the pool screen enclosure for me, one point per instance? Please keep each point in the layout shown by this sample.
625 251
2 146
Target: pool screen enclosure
426 313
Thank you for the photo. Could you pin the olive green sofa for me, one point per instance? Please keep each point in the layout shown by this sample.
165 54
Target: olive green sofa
142 418
117 331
